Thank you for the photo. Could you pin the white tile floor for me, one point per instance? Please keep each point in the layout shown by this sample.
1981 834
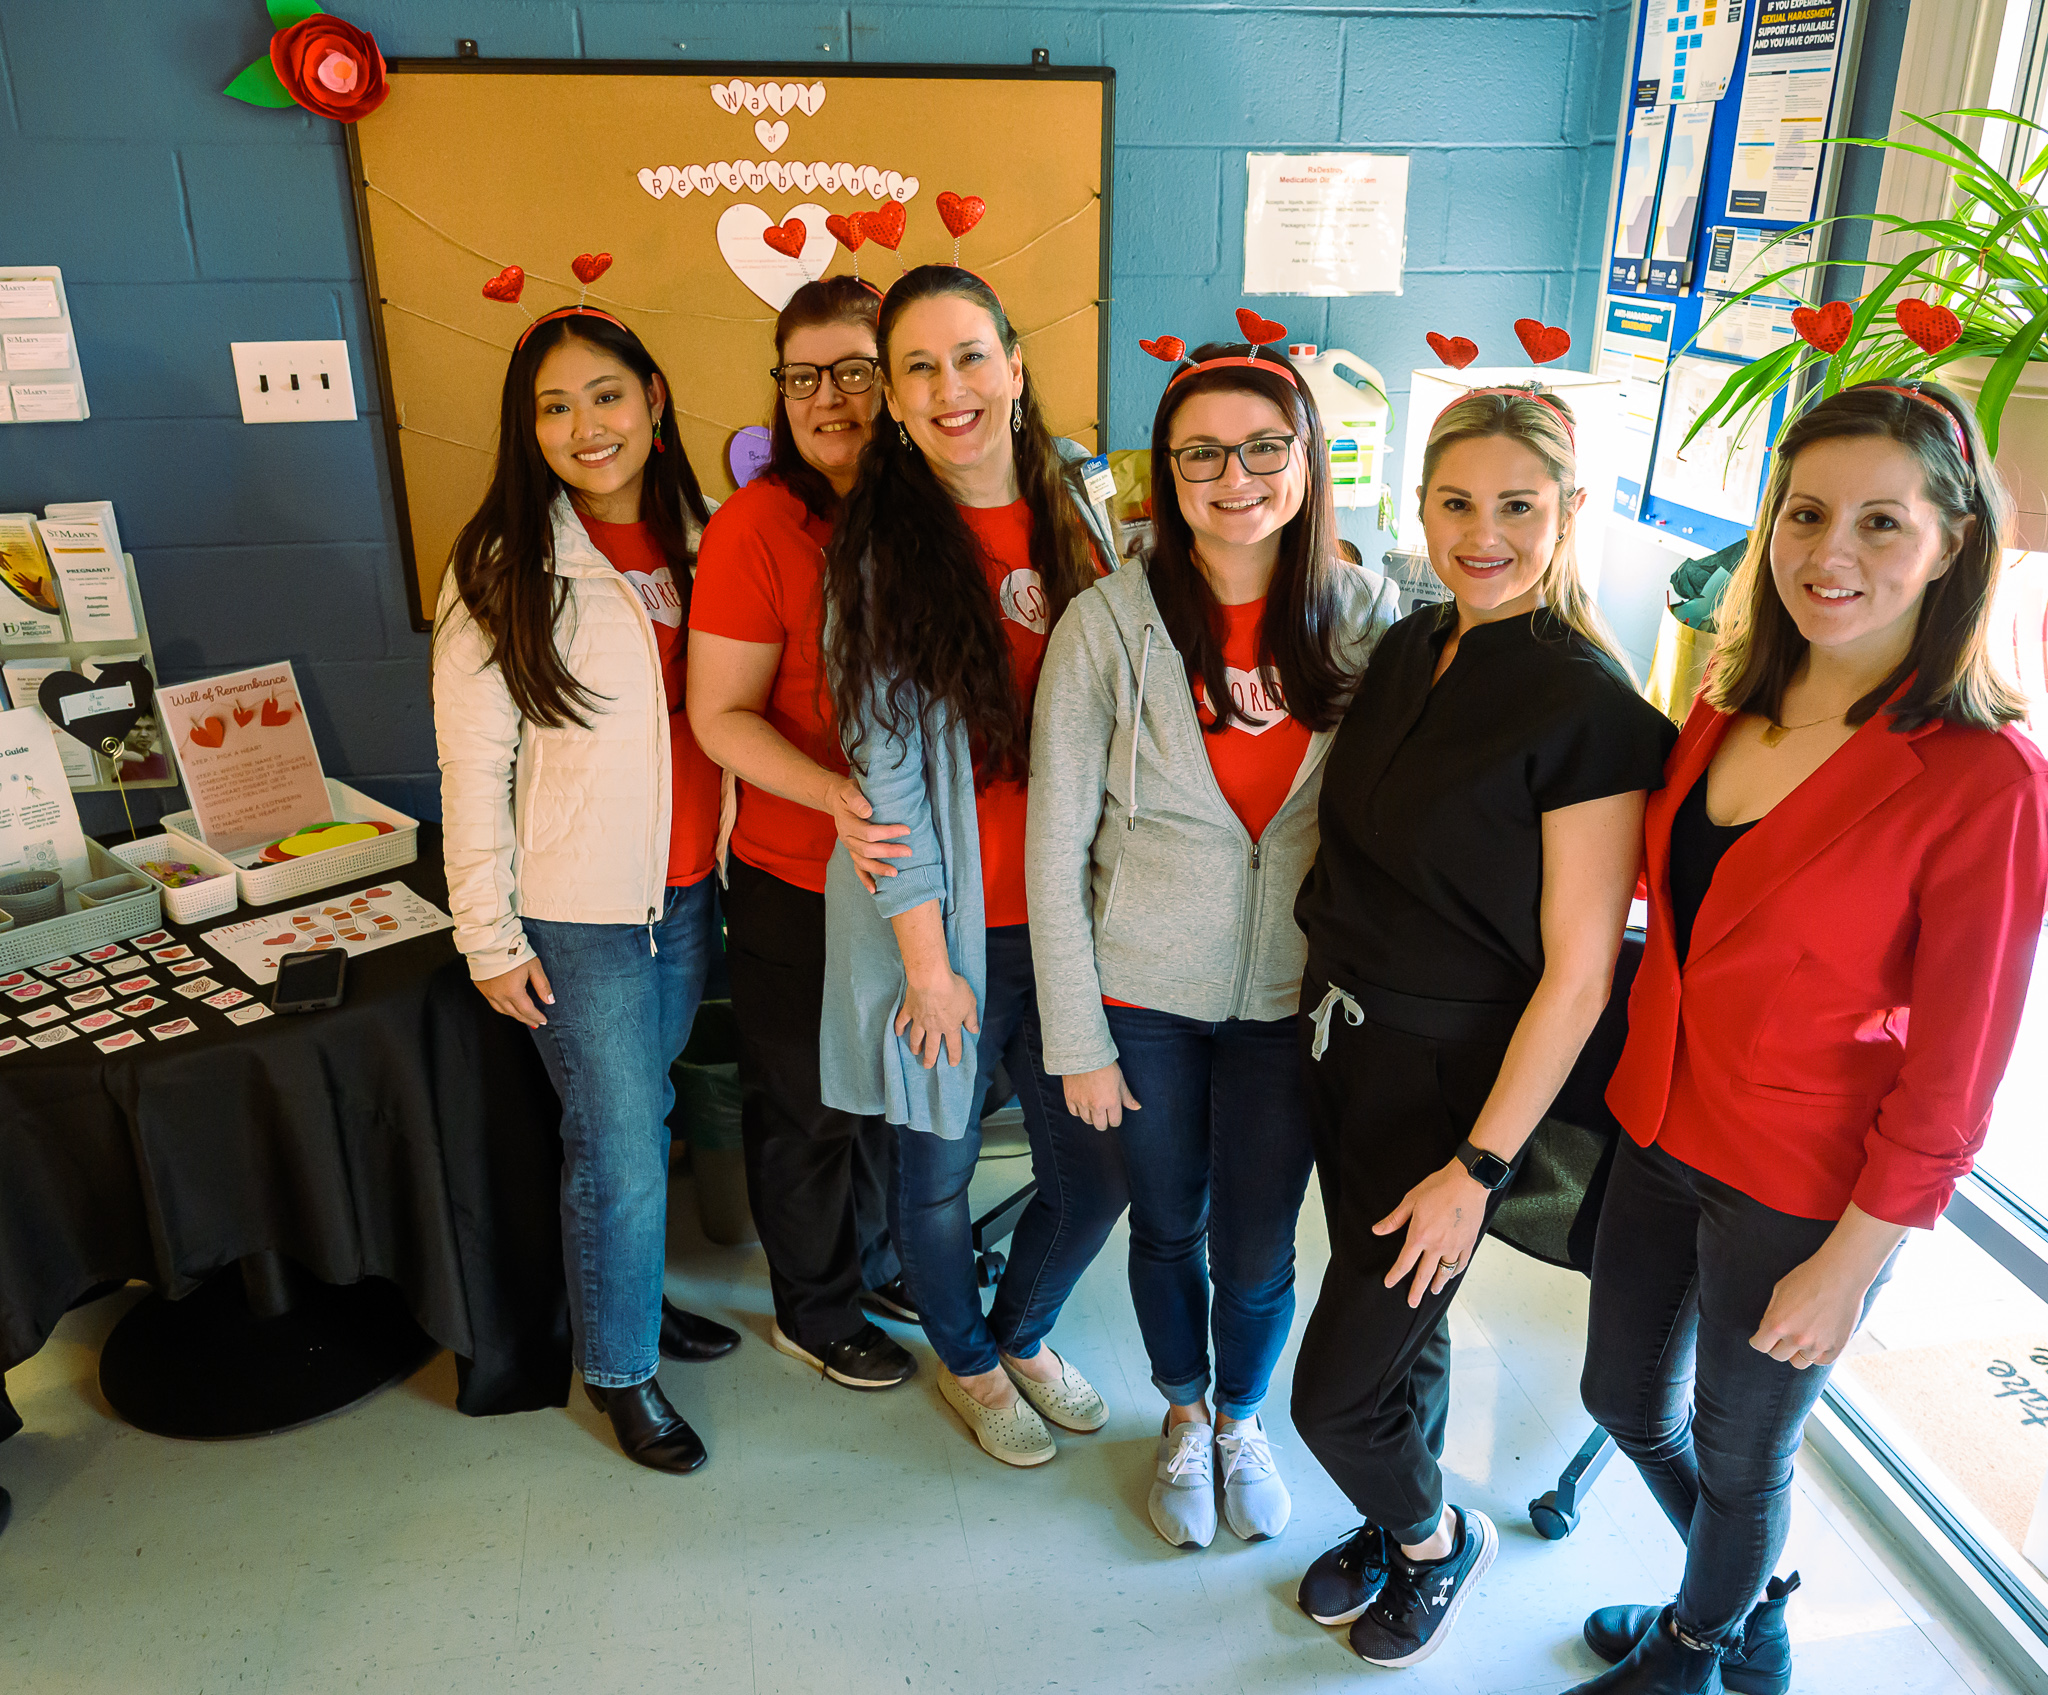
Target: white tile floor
837 1542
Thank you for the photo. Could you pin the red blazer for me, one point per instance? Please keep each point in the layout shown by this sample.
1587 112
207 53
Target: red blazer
1856 976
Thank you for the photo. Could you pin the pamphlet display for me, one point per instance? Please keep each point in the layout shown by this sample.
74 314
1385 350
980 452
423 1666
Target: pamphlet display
40 382
84 546
30 612
1678 201
358 922
1635 347
250 765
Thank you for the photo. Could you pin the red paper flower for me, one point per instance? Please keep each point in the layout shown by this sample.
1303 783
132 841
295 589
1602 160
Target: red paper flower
330 67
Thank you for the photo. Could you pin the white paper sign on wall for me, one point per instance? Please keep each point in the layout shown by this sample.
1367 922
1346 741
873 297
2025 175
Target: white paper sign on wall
1325 223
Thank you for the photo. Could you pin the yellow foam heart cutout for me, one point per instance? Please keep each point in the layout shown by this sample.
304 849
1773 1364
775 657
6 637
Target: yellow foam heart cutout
318 841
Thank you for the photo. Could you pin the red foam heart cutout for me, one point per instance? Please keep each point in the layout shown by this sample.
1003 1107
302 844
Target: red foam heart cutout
1168 347
283 941
849 232
377 894
209 732
885 223
1456 351
787 238
590 266
1542 342
960 213
1826 328
1928 326
507 285
1257 330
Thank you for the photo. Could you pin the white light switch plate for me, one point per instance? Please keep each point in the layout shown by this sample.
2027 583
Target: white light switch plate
293 382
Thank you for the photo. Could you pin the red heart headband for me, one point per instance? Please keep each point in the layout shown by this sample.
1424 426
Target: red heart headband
1258 332
1912 391
564 312
1530 392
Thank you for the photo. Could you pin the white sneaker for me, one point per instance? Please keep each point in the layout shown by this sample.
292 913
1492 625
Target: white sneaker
1255 1501
1015 1434
1183 1499
1070 1403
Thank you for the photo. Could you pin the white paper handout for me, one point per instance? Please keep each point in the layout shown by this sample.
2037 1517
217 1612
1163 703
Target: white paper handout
40 381
1678 202
1786 93
1635 345
38 818
85 553
1689 47
1638 195
1325 223
359 922
250 765
1719 473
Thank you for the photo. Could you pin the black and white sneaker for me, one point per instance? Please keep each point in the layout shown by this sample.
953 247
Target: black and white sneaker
892 1300
865 1360
1343 1581
1420 1602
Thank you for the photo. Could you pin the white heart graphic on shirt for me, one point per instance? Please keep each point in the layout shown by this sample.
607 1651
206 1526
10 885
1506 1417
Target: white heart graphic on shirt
1255 697
657 592
1023 601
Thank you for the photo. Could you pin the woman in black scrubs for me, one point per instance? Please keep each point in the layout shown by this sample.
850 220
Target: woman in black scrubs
1481 827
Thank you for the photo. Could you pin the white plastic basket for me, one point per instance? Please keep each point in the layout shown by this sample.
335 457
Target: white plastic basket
191 902
266 884
77 929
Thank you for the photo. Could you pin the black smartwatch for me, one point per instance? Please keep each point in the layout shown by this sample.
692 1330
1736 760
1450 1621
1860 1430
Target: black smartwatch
1489 1171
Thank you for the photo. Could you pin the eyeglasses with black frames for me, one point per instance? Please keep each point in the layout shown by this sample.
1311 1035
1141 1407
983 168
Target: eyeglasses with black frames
1205 461
849 376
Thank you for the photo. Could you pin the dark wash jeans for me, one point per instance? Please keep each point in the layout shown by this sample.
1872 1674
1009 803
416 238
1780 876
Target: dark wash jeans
1683 1271
1080 1193
1217 1158
625 998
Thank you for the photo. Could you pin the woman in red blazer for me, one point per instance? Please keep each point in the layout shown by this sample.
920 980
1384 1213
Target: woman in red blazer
1846 873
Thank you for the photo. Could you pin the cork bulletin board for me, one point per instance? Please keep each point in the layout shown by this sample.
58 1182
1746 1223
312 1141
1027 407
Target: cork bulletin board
694 179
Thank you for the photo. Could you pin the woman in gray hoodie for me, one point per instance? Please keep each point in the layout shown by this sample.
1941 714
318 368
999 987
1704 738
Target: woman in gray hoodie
1176 757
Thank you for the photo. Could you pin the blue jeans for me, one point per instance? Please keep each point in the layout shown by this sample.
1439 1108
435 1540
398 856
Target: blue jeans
1218 1152
625 998
1079 1198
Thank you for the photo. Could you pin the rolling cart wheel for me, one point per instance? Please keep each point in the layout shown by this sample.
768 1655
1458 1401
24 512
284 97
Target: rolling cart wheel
989 1267
1552 1522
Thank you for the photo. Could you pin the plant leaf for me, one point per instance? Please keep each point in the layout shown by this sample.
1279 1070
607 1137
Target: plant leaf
1999 381
285 13
259 85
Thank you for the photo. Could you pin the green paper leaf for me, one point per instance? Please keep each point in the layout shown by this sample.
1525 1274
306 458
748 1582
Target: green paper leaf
285 13
259 85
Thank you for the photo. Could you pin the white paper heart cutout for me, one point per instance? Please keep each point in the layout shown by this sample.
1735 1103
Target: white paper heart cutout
727 94
651 181
770 275
701 177
731 175
778 175
804 177
827 176
777 96
906 191
792 98
816 95
871 182
755 101
849 177
678 184
891 182
771 136
753 175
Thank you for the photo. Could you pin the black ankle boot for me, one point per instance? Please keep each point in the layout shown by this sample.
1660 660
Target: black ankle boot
650 1431
692 1337
1759 1663
1660 1664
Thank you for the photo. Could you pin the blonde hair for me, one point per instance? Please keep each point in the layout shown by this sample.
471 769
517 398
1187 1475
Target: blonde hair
1544 427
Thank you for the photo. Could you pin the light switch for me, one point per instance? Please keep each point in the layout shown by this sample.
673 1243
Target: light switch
294 382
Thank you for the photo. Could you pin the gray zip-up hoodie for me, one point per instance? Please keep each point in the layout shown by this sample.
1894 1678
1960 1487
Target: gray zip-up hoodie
1144 884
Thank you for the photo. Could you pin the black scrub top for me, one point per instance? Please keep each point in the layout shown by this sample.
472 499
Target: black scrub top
1430 871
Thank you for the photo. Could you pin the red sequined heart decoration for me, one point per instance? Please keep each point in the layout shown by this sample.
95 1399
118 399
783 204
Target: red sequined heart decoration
1826 328
960 213
1456 351
507 285
1928 326
885 223
787 238
1257 330
590 266
1542 342
1168 347
848 232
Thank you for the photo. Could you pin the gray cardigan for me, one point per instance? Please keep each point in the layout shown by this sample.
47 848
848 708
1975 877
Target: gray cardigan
1144 884
925 779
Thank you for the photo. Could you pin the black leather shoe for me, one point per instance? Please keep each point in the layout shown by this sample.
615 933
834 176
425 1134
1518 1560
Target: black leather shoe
1659 1664
6 1509
892 1300
650 1431
1761 1664
865 1360
692 1337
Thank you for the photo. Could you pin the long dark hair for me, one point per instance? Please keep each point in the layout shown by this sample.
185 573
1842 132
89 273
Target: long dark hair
1298 634
1949 663
908 598
503 560
830 300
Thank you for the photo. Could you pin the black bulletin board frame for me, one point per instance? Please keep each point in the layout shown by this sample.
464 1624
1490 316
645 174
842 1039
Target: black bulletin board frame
750 70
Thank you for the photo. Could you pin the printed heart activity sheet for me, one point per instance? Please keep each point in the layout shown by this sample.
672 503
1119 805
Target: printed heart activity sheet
250 764
360 922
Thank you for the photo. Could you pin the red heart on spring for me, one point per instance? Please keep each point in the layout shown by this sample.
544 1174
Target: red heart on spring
1542 342
961 212
1456 351
885 223
787 238
1928 326
1826 328
1168 347
848 232
590 266
507 285
1257 330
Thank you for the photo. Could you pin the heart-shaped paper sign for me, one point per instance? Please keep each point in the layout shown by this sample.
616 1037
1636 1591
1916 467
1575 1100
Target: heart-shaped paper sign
590 266
507 285
769 273
1825 329
960 213
1168 347
1257 330
771 136
1928 326
885 223
1542 342
748 454
97 709
848 232
1456 351
787 237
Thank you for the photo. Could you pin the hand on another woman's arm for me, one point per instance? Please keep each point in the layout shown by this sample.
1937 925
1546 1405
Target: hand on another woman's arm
1815 1307
938 1003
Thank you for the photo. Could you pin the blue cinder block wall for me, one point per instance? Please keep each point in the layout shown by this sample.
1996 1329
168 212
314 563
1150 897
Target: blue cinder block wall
184 221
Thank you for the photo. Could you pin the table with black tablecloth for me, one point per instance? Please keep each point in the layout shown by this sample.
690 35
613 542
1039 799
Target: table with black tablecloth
409 1134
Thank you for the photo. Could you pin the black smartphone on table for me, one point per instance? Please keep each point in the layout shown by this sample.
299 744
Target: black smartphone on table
308 982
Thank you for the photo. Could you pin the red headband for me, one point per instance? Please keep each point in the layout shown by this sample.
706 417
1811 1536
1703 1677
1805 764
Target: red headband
565 312
1955 428
1571 434
1232 362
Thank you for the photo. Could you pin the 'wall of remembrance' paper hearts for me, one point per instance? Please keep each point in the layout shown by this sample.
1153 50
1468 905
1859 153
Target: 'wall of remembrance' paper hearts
752 176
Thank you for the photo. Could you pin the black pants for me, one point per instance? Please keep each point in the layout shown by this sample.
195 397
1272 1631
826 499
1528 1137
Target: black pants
818 1179
1683 1271
1372 1388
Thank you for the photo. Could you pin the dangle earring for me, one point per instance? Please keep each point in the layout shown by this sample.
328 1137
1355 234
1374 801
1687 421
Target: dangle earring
902 434
1016 414
660 446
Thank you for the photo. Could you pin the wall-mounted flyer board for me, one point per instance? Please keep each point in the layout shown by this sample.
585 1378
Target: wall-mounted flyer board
1725 123
719 191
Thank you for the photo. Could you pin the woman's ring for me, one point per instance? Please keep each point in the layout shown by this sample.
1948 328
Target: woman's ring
1450 1264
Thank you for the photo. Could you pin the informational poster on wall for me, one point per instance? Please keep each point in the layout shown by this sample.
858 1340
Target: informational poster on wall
1787 91
1325 223
1690 46
1678 201
250 765
1638 205
1634 350
1739 259
1720 472
40 382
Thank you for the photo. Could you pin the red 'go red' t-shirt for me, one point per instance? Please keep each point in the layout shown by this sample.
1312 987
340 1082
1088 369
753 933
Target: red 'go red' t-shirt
1256 763
1005 536
760 578
693 820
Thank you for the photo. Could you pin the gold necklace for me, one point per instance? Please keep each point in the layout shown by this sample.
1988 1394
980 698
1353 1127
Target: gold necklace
1774 732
